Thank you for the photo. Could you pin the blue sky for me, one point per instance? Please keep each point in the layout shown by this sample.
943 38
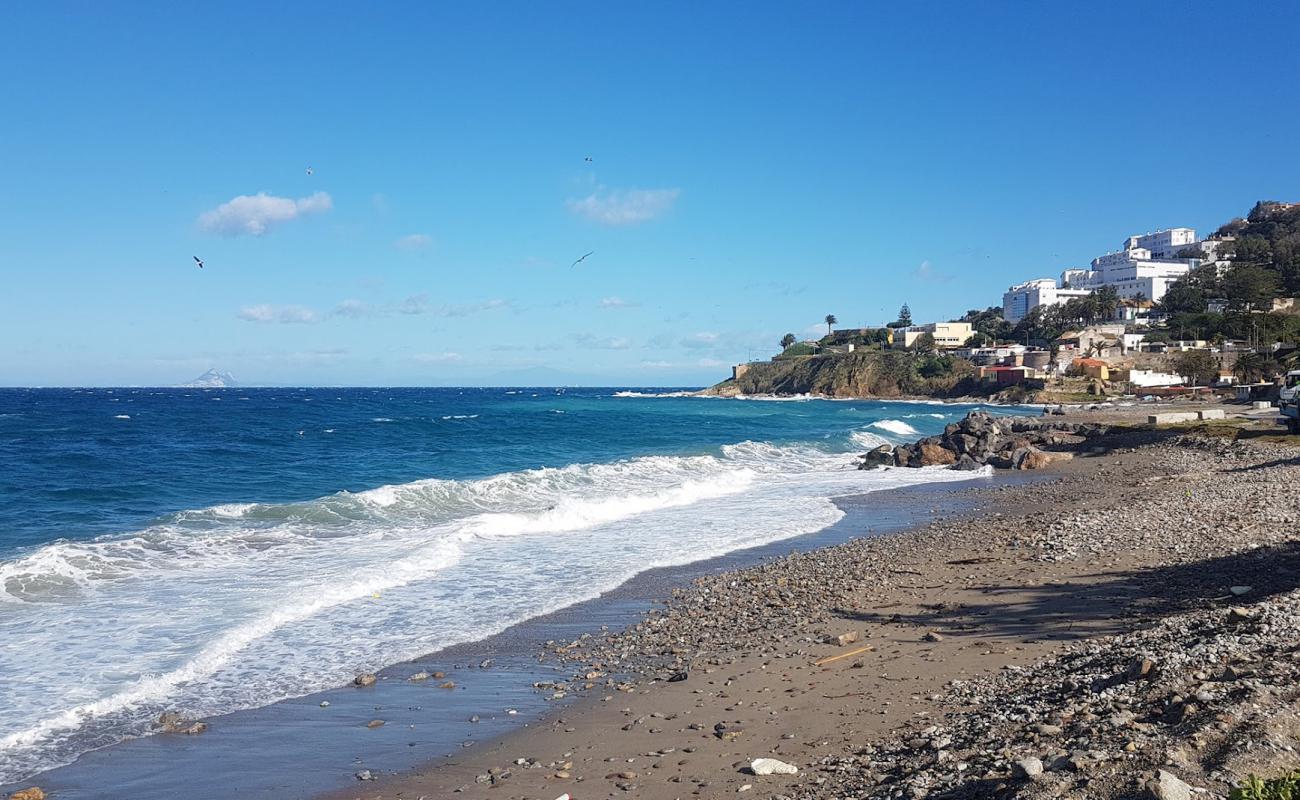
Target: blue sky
754 167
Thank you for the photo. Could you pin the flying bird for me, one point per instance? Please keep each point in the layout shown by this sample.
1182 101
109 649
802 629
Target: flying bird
310 170
587 159
198 261
579 261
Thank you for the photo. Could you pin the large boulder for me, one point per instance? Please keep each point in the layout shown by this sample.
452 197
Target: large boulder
882 456
966 463
903 455
932 454
1030 458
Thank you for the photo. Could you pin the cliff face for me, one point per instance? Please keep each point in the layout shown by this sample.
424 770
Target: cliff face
872 373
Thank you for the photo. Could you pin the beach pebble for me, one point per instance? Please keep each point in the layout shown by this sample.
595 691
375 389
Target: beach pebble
771 766
364 679
1029 768
1168 786
30 793
365 775
375 723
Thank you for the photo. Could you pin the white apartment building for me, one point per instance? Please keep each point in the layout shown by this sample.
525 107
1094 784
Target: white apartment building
1142 270
1020 299
1163 245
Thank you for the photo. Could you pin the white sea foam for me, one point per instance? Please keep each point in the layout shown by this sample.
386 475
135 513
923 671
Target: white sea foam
242 604
657 394
895 426
121 416
867 439
381 419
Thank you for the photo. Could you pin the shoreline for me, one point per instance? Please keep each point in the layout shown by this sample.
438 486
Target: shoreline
252 749
853 662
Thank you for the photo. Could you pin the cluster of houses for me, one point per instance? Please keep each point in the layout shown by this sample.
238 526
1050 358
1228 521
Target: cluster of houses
1140 272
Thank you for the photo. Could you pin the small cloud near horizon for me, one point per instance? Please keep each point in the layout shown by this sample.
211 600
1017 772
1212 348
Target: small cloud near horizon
702 339
414 242
624 206
437 358
615 302
590 341
256 215
285 315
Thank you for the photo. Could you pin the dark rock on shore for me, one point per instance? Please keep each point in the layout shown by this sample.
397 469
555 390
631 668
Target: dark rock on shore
980 438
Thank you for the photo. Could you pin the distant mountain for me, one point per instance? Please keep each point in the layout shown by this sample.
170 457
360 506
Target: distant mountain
212 379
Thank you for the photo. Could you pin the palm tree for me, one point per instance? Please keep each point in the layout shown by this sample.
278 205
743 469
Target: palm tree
830 320
787 340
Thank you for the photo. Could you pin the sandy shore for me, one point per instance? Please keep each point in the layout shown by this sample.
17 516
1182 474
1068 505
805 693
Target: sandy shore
987 655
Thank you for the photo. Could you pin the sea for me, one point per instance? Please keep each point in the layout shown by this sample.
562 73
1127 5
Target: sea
207 551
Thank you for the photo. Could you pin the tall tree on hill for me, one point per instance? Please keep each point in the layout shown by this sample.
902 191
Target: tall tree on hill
905 316
1250 287
830 320
787 340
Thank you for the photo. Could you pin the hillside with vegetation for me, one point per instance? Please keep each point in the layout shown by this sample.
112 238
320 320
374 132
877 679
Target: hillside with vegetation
865 373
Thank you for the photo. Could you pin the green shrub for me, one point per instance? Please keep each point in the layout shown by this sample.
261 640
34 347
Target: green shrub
1286 787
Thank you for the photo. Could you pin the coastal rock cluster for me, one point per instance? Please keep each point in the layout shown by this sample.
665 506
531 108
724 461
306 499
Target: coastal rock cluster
981 438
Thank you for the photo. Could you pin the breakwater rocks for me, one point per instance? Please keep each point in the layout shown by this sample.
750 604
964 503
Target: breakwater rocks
981 438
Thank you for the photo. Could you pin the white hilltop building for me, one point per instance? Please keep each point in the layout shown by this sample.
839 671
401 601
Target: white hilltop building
1142 269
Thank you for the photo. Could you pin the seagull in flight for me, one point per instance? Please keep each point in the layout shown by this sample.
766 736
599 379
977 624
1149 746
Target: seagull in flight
579 261
310 171
198 261
587 159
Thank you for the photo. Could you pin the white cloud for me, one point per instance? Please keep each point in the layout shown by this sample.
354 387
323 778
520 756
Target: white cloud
354 309
590 341
658 364
702 339
419 304
472 308
711 363
287 315
413 242
624 206
254 215
927 273
437 358
615 302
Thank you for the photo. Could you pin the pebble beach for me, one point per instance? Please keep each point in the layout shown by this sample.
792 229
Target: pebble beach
1123 624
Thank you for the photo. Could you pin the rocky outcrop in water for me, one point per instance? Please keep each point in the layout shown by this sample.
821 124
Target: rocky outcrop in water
981 438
